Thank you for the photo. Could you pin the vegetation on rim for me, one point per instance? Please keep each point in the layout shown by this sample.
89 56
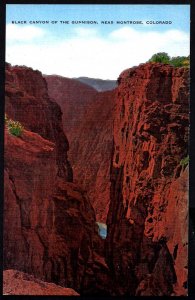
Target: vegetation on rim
14 127
177 61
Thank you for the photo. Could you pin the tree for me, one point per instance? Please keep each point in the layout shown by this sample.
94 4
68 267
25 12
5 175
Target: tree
161 57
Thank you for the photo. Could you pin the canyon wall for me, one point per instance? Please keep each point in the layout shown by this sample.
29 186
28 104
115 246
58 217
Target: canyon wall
27 101
147 220
88 122
91 152
50 228
73 97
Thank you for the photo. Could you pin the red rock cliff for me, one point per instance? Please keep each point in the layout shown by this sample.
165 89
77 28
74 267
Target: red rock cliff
91 152
49 223
74 98
147 219
27 101
88 123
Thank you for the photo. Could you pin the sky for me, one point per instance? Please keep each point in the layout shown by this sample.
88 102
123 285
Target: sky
96 50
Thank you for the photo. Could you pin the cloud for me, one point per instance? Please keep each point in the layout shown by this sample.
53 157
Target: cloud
19 33
127 33
87 53
85 32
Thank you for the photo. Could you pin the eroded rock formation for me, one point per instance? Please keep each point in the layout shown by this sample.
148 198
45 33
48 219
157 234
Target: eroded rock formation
91 152
147 220
27 101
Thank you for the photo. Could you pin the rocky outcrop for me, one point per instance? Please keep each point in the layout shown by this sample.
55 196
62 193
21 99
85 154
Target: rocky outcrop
49 223
147 219
88 122
27 101
50 229
19 283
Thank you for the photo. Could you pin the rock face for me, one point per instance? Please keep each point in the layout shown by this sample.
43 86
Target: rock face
27 101
91 152
73 97
88 122
48 222
19 283
50 229
147 219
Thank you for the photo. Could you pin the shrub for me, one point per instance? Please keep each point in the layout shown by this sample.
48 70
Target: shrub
180 61
14 127
160 57
177 61
185 161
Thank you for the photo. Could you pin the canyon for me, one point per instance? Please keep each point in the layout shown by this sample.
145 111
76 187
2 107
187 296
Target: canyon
88 123
117 157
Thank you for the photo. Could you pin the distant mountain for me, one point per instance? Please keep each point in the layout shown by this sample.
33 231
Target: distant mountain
99 84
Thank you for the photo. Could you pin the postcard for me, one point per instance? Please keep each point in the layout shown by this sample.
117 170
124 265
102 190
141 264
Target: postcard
96 159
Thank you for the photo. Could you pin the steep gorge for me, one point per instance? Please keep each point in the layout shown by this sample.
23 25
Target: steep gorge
50 226
88 123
